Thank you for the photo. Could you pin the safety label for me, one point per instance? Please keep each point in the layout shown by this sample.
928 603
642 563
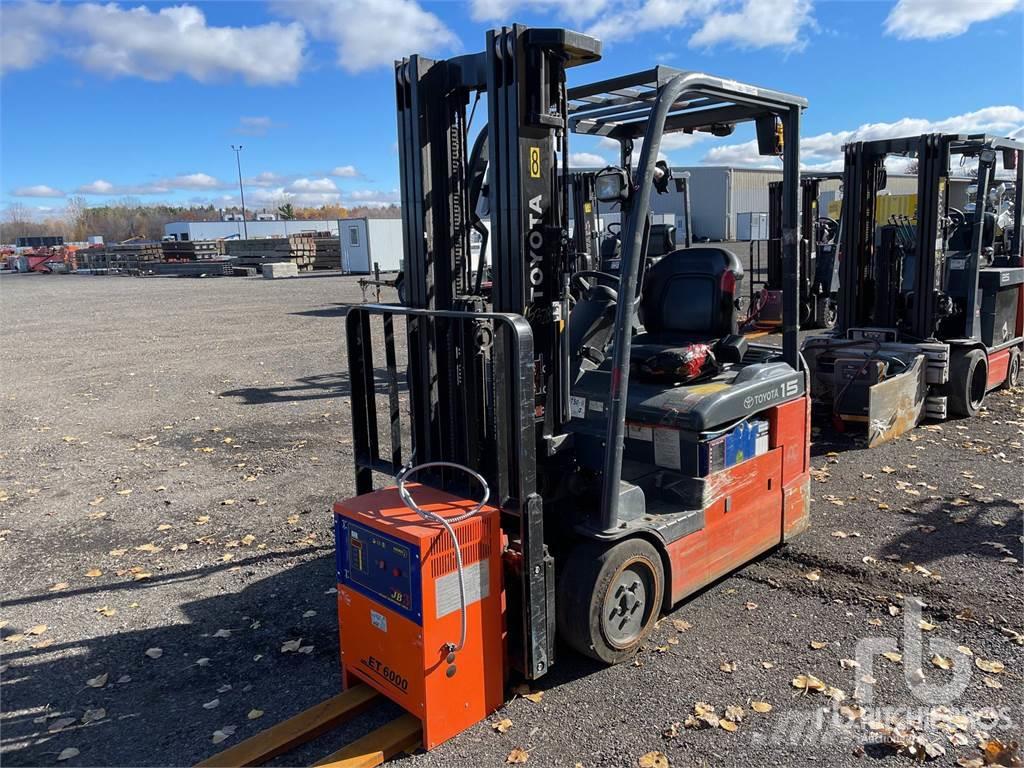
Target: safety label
478 586
638 432
666 449
577 407
379 620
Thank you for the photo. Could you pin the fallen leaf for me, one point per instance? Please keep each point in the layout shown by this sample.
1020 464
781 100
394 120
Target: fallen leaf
248 539
942 662
97 682
227 502
290 646
309 614
106 610
223 733
761 706
812 576
653 760
202 520
150 547
728 666
124 492
59 587
680 625
92 715
502 726
212 704
38 629
893 656
61 724
995 667
94 573
67 754
535 697
808 683
517 755
222 633
728 725
117 552
991 682
817 645
155 653
255 714
925 626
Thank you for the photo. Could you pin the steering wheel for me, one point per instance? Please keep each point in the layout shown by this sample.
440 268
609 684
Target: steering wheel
829 228
579 280
956 217
613 232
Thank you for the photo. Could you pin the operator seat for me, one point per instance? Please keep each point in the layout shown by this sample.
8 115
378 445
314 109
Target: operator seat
689 297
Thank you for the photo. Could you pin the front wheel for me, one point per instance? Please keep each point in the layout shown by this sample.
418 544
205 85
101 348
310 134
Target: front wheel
609 598
968 381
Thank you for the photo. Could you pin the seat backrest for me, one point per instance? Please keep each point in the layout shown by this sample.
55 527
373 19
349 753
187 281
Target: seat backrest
661 241
692 291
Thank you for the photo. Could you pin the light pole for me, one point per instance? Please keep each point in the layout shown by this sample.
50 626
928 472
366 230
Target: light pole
241 190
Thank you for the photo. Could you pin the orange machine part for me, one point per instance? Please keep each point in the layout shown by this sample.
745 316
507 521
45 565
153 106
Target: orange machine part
757 505
406 658
998 368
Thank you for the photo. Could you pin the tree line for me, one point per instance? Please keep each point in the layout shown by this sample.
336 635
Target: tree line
129 218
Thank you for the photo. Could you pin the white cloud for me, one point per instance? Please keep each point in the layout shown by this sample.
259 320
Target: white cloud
254 126
632 18
824 151
266 179
501 10
38 190
138 42
372 198
98 187
188 181
371 33
346 172
931 19
757 24
24 28
587 159
313 185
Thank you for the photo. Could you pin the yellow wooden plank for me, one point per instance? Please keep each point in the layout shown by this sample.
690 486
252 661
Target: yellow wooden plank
304 726
757 334
402 733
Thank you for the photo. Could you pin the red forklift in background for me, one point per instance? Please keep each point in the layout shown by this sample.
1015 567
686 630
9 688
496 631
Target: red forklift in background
931 310
577 450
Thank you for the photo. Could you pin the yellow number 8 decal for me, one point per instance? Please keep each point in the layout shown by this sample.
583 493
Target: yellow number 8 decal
534 162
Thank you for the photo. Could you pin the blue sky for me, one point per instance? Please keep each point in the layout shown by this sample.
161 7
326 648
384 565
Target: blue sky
106 100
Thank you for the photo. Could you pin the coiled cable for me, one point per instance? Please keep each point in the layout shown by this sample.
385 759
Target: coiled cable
400 480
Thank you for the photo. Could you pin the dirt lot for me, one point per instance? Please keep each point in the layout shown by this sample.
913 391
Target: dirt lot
171 448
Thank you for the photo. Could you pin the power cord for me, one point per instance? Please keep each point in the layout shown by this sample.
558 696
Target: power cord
400 479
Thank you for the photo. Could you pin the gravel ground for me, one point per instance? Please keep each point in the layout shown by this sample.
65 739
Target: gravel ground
171 450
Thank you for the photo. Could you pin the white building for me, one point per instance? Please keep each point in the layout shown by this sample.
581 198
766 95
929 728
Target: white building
217 230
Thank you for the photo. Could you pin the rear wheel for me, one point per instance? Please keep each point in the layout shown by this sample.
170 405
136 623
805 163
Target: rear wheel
1012 371
609 598
968 380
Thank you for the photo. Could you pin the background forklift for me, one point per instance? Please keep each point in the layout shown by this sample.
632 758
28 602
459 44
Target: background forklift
931 311
819 263
574 477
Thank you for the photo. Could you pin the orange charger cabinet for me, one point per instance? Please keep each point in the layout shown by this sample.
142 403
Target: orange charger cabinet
399 607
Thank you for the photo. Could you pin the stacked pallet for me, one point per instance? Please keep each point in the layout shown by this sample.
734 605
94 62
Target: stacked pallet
328 253
298 248
131 255
192 250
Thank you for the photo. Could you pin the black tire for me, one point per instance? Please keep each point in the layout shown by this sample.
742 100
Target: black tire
609 598
403 297
1012 380
968 380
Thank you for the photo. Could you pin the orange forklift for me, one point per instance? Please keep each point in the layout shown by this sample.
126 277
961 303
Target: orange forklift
573 452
